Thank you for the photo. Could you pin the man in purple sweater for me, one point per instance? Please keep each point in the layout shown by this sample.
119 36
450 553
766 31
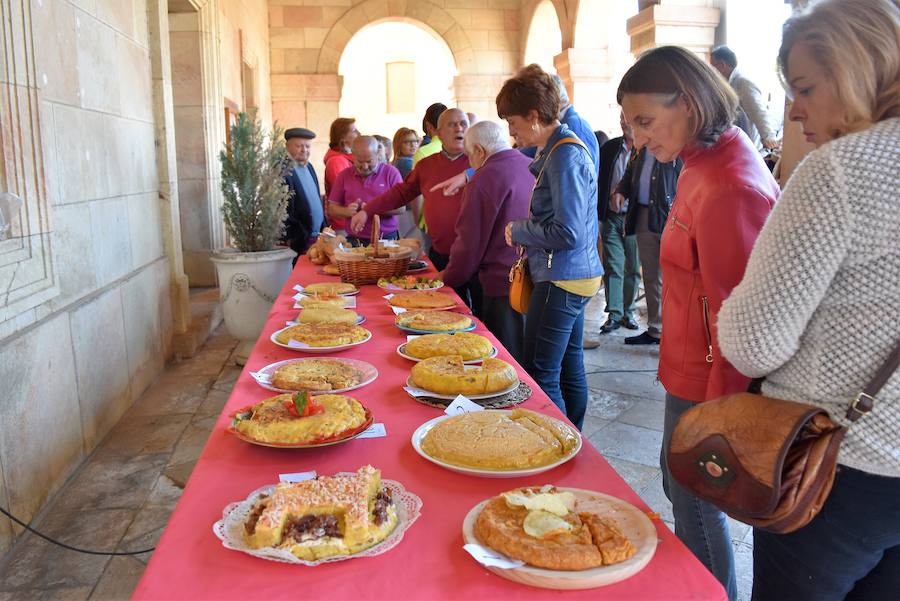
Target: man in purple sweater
499 192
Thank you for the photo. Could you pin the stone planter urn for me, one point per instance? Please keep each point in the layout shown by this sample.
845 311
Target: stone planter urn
249 282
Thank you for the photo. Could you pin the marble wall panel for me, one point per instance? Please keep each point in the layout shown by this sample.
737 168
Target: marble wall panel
140 299
73 252
98 340
56 57
132 156
190 142
82 154
97 73
135 82
193 205
144 225
48 142
187 84
110 236
38 372
118 14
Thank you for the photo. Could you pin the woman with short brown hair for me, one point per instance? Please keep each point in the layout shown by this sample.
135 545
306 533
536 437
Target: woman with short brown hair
406 142
680 108
560 238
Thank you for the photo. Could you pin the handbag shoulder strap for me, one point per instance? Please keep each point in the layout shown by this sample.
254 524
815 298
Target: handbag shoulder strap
560 142
865 400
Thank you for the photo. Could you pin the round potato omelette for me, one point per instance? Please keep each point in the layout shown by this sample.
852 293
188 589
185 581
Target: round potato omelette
433 321
425 299
330 288
328 315
316 374
465 344
544 528
323 334
271 421
500 440
324 300
449 375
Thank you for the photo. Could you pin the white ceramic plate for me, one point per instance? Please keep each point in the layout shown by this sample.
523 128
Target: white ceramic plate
230 529
369 373
401 350
474 397
318 349
417 266
633 523
415 331
419 435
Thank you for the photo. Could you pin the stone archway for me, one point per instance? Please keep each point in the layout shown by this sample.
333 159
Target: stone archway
371 11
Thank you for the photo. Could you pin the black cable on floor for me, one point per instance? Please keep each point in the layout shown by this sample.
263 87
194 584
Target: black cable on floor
64 545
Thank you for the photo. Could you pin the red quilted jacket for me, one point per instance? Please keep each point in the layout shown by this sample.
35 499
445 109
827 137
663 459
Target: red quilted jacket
724 195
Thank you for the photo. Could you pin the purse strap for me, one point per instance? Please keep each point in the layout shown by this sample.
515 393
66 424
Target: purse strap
560 142
865 400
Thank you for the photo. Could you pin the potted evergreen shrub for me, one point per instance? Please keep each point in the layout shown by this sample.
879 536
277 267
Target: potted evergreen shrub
253 272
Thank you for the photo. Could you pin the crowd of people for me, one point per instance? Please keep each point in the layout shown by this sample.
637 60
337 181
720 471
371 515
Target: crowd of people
742 280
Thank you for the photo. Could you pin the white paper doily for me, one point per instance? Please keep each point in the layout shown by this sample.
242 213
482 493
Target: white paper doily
230 529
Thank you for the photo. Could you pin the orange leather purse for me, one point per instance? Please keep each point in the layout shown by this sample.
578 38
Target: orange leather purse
520 284
766 462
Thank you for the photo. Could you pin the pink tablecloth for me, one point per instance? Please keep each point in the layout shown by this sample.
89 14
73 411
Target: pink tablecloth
191 563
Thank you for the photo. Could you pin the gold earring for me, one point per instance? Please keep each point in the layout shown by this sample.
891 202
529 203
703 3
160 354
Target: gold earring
534 128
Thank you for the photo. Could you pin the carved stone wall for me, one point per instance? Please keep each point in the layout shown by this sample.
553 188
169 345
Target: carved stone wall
85 319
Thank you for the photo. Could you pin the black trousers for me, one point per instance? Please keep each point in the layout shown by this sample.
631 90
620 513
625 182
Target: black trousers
470 292
504 323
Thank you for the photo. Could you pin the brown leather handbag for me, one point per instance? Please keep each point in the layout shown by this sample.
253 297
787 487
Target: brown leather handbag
520 283
766 462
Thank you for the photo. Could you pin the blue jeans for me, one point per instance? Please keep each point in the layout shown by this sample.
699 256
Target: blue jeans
553 353
699 524
851 550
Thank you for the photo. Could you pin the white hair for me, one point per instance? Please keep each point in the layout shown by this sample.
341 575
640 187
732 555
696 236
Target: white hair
487 134
563 94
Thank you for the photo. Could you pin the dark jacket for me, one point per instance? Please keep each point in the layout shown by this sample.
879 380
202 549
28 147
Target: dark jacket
298 221
499 192
609 154
663 181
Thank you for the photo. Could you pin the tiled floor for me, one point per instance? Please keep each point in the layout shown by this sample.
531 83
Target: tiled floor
121 498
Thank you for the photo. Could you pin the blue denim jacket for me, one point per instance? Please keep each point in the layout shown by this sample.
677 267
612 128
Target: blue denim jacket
561 235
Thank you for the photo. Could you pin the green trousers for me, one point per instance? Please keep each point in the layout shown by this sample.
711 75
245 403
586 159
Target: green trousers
621 267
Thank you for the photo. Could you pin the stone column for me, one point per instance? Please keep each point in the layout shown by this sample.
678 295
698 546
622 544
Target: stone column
164 115
478 94
587 75
688 23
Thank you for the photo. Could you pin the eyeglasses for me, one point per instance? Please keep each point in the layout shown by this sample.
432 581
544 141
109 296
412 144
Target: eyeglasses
413 141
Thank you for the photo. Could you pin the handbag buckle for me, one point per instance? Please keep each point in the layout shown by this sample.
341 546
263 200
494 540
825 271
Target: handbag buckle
860 406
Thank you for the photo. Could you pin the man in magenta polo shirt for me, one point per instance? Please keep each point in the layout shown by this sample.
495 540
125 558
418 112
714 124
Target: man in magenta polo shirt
353 188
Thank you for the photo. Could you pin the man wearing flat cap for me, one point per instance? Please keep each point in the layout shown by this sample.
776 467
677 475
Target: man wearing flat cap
305 212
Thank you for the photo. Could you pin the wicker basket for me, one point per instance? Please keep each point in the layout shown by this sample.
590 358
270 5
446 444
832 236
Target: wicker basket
357 271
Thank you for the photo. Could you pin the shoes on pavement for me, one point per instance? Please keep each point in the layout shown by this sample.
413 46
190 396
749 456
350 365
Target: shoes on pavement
629 323
642 338
589 343
610 325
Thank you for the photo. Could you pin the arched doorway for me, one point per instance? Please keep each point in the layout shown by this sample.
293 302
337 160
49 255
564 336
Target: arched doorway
544 39
392 71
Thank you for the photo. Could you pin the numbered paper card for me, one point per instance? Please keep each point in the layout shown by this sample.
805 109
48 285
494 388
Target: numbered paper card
490 558
461 405
297 476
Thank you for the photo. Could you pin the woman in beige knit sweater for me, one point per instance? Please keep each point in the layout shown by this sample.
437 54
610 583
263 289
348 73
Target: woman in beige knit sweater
818 310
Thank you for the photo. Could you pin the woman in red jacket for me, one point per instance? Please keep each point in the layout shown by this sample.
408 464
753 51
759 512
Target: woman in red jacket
680 107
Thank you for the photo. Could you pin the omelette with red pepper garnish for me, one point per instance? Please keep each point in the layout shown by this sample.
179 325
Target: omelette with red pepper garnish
295 419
